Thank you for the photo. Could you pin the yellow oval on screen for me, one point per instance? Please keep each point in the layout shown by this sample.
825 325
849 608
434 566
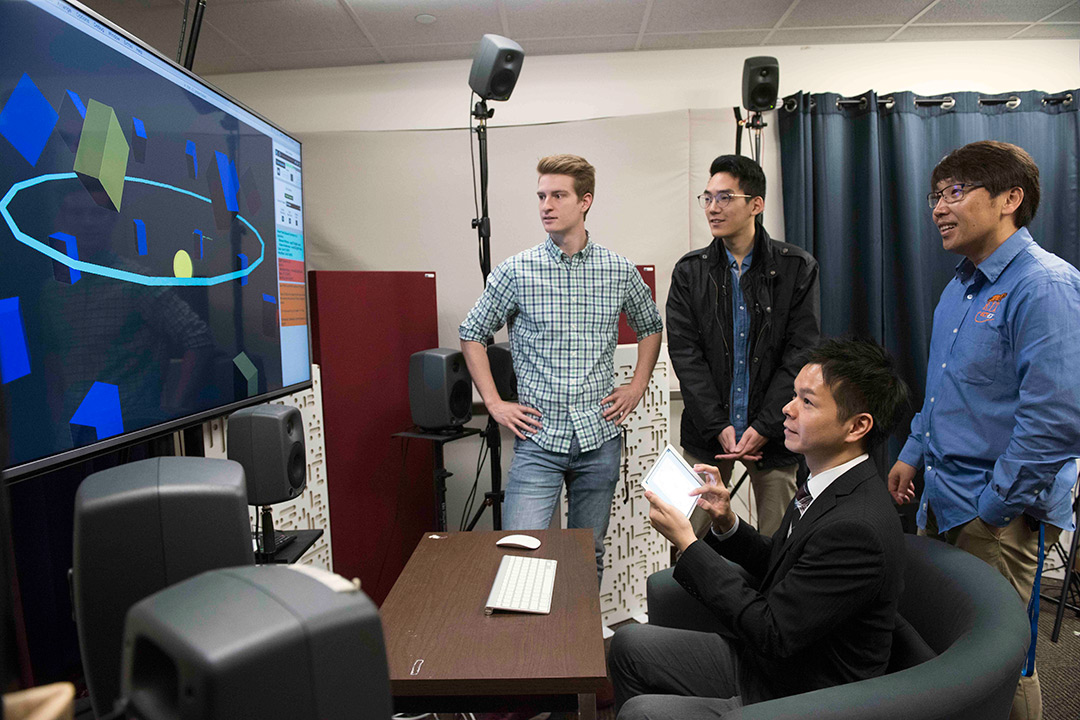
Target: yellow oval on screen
181 264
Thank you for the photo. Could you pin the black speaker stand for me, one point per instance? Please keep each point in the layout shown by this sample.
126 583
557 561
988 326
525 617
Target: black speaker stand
439 471
266 536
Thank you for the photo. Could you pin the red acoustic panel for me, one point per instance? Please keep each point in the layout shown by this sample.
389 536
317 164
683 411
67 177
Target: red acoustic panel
626 335
365 325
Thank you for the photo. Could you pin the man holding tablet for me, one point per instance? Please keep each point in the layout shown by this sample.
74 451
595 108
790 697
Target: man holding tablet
831 575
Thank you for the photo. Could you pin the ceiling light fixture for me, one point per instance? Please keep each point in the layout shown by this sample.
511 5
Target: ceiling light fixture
425 19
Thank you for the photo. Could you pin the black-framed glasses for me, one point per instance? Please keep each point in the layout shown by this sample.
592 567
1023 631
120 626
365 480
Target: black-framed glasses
722 199
952 194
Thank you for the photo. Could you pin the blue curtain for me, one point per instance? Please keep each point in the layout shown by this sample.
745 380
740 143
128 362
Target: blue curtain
856 172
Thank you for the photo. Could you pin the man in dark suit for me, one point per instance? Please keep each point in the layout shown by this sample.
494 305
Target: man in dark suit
830 578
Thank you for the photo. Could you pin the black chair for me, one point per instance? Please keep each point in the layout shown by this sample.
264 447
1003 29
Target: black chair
957 652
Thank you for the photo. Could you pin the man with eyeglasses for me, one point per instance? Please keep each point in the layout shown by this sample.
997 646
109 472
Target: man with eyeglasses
739 312
999 427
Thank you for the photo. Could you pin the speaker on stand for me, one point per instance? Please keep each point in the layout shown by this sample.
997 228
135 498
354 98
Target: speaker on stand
268 441
760 87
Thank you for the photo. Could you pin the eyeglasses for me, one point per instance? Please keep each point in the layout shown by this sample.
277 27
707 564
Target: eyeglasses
722 199
952 194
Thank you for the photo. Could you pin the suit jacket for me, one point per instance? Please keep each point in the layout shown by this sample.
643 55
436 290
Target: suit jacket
825 610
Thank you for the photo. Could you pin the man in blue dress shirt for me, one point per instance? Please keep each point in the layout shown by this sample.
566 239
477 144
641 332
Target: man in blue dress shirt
999 427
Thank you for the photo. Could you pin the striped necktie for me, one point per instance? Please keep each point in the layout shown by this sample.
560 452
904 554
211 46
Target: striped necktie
803 498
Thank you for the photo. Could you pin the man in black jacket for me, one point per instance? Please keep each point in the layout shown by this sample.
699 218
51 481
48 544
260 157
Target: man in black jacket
739 312
830 578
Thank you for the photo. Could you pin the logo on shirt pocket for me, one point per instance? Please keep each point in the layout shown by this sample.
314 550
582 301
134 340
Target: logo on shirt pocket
990 308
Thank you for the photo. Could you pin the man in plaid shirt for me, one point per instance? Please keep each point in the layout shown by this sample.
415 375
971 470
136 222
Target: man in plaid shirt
561 301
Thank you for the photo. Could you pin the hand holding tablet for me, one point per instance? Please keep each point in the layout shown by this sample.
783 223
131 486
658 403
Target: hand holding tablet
672 479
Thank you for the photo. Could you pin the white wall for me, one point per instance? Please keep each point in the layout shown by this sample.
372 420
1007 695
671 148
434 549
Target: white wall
333 109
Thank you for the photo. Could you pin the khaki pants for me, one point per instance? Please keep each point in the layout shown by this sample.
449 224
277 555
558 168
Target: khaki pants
1014 552
773 489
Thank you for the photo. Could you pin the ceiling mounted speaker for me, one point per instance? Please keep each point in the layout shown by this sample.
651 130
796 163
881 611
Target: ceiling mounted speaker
760 83
495 67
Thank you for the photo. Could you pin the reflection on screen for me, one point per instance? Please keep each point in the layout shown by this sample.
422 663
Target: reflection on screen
151 243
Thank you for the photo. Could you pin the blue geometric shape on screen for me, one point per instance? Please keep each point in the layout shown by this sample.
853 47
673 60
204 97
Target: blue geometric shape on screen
192 160
230 183
269 298
242 261
77 101
140 129
198 241
140 237
14 353
116 273
68 245
27 120
100 409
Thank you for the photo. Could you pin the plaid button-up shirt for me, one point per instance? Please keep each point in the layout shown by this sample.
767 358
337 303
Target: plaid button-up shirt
563 319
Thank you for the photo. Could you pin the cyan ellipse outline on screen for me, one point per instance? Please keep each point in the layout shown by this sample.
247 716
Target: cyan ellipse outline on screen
94 269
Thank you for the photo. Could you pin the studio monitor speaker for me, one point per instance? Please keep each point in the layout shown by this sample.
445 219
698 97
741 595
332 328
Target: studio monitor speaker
760 83
141 527
267 641
495 67
440 390
268 440
502 370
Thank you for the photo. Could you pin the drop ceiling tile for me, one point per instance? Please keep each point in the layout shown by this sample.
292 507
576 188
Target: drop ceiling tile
576 45
1069 14
828 13
569 18
159 27
699 15
226 66
831 36
393 22
318 59
1052 31
427 53
687 41
989 11
287 26
925 33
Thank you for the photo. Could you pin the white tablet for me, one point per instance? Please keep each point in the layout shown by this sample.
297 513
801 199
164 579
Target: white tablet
672 478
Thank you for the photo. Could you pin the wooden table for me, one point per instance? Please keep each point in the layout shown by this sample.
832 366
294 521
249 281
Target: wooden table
446 655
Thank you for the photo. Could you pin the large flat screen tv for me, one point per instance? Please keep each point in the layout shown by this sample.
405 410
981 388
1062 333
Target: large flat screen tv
151 242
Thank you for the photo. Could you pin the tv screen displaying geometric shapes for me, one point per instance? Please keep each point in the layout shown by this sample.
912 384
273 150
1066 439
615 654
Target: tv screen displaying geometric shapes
151 242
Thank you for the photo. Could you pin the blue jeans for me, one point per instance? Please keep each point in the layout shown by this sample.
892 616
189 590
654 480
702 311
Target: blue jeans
536 477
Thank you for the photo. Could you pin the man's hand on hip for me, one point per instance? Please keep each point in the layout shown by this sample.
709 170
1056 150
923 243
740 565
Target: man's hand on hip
902 482
519 418
621 402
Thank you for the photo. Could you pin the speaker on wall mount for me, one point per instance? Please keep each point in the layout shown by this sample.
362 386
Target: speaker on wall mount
760 83
496 67
268 441
440 389
139 528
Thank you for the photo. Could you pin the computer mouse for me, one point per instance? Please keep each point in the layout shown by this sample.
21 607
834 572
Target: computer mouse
526 542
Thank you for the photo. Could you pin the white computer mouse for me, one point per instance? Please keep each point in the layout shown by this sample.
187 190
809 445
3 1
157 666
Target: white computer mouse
526 542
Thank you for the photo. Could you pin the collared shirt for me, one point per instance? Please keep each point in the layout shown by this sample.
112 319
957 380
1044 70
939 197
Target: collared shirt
740 375
563 319
816 484
1000 423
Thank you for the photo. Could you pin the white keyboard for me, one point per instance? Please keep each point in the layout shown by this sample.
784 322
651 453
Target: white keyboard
523 584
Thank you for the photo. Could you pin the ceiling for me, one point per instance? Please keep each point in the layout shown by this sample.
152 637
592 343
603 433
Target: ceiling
257 35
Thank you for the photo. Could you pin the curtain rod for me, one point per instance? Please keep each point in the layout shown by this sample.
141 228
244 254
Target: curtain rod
947 102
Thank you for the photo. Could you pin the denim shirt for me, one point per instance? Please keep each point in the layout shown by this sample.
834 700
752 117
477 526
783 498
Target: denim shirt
740 376
1000 425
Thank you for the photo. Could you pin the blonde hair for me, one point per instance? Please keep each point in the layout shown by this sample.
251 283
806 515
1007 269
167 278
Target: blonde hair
576 167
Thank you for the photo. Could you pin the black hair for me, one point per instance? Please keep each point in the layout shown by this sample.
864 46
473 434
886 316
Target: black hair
998 167
749 174
862 377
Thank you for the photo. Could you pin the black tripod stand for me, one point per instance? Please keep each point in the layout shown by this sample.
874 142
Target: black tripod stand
482 224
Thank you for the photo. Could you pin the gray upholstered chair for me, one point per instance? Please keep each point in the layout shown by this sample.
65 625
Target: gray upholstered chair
957 656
